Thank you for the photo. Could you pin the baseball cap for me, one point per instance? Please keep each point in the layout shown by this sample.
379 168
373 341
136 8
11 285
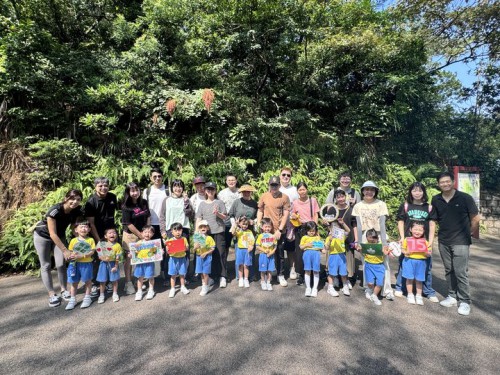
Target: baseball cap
199 180
210 185
274 180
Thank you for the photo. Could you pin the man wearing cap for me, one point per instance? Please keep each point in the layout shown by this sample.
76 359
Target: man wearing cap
276 205
345 185
199 196
229 195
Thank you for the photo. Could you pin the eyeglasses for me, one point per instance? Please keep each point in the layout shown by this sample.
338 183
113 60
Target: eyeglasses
286 175
156 177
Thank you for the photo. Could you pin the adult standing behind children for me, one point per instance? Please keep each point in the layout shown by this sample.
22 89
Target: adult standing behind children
213 211
199 195
345 180
229 195
458 218
371 213
100 212
275 205
50 235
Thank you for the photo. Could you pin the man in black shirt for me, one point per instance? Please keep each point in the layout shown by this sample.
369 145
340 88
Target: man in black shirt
458 217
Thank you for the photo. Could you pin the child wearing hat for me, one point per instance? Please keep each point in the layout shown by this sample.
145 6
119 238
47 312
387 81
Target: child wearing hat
204 245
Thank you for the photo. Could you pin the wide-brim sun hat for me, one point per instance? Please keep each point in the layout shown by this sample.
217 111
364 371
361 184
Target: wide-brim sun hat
369 184
247 187
202 223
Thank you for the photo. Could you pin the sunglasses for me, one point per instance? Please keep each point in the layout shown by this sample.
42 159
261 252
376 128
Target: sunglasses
286 175
156 177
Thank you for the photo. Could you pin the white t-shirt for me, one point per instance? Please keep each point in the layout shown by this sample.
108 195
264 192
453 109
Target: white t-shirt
196 199
155 201
228 197
291 191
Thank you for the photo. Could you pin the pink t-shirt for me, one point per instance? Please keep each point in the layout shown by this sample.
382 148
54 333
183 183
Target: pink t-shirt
304 209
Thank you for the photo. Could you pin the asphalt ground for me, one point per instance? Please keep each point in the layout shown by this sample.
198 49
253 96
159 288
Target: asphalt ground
237 330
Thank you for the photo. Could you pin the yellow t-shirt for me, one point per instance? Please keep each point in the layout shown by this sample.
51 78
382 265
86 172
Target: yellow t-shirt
422 255
337 246
374 259
267 242
307 239
180 254
82 247
245 239
209 245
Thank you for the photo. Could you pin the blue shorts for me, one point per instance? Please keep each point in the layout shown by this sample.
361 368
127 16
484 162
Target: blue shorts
177 266
266 264
243 256
146 270
414 269
203 265
83 272
312 260
104 273
374 273
337 265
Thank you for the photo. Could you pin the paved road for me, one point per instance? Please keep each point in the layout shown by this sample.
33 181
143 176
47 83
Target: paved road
235 331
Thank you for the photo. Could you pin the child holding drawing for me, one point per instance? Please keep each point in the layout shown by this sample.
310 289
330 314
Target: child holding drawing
145 270
177 264
110 253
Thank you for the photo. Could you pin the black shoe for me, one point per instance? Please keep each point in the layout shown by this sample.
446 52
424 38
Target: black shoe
300 280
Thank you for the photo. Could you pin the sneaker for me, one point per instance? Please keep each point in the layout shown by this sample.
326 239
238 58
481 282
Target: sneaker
375 300
184 290
300 280
116 297
368 293
390 296
101 299
240 283
171 294
464 308
433 299
204 290
222 282
246 283
349 285
282 280
54 301
263 285
109 288
308 292
151 294
331 291
87 301
411 299
345 290
398 293
129 288
71 304
269 286
293 274
138 296
94 292
314 293
448 302
65 295
419 300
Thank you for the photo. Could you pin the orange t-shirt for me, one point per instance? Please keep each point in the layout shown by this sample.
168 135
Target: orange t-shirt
274 208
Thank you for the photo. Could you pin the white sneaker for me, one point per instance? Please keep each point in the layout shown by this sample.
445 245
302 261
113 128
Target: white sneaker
375 300
171 294
331 291
116 297
398 293
138 296
263 285
94 292
222 282
101 298
433 299
269 286
151 294
345 290
464 308
419 300
204 290
448 302
314 293
246 283
240 283
65 295
184 290
349 285
308 292
411 299
87 301
71 304
293 274
282 280
390 296
368 293
54 301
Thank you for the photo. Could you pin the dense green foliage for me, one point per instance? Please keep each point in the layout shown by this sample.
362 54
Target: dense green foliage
108 87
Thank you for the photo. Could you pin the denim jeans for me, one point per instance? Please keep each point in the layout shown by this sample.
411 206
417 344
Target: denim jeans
428 290
456 267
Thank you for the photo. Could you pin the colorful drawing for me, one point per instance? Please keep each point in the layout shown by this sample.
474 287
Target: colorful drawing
318 245
416 245
247 240
146 251
199 238
175 245
337 233
372 249
267 241
82 248
105 250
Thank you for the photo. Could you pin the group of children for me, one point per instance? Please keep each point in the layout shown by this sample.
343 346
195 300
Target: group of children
110 253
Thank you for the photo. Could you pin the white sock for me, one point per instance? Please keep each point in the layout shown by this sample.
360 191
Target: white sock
307 280
330 286
316 280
